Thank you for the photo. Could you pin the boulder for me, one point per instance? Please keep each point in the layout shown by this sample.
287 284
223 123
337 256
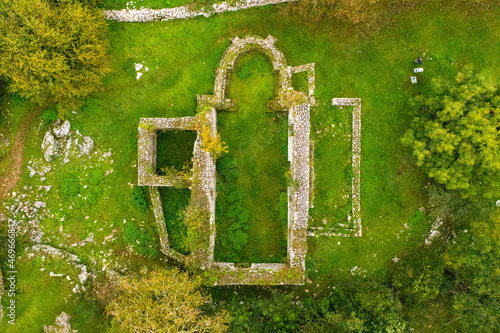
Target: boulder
32 171
86 146
61 130
62 325
50 147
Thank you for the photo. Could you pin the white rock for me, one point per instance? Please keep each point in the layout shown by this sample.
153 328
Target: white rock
50 147
61 130
86 146
83 275
138 66
32 171
139 74
40 204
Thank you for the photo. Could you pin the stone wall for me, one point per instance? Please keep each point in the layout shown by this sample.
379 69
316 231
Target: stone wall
183 12
146 165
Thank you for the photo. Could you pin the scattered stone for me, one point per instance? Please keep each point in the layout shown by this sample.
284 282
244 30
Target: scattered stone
62 325
83 275
138 66
49 147
40 204
139 74
47 188
89 238
32 171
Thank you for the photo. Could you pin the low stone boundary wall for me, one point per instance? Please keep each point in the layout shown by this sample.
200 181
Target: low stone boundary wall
184 12
355 215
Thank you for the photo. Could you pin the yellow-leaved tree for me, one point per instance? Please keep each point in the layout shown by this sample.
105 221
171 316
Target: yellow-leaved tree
52 49
455 136
164 301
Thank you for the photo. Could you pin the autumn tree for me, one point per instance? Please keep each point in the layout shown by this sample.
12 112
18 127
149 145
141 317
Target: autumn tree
52 49
164 301
455 135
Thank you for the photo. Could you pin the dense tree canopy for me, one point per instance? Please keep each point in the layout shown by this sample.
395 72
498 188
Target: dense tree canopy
51 49
455 135
474 261
164 301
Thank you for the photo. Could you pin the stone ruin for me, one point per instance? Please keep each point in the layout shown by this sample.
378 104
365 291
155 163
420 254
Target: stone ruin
353 226
62 325
297 104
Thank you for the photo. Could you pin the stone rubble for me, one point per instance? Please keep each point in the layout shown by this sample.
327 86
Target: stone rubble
62 325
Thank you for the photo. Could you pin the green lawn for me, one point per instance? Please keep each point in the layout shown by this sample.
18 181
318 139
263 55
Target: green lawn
182 57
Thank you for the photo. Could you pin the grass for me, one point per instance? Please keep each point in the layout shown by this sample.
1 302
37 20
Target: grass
182 57
41 298
332 136
252 174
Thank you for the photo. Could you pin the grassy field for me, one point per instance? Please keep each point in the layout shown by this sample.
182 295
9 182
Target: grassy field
182 57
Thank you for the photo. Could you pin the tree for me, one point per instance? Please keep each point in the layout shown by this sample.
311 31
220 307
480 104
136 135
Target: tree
164 301
455 136
475 260
52 49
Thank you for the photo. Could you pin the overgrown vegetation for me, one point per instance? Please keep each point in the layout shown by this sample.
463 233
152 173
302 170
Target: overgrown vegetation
174 149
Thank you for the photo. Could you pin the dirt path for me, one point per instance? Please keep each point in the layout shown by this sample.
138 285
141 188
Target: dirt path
13 170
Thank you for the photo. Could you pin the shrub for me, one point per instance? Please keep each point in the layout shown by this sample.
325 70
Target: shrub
49 116
70 187
142 240
139 198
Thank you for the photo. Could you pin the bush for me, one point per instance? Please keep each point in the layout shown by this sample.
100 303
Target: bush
52 49
139 198
142 240
49 116
70 187
419 275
